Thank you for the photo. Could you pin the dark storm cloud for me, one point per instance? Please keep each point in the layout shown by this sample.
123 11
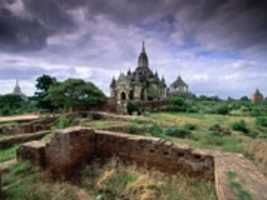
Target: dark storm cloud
20 34
95 39
29 30
214 23
50 13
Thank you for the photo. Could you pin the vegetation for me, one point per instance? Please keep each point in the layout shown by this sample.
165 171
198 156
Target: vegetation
23 182
261 121
240 126
177 132
13 104
8 154
75 94
115 180
43 84
63 122
237 188
215 105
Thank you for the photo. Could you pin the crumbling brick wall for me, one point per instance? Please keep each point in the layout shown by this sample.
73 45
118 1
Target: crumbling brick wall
73 147
68 150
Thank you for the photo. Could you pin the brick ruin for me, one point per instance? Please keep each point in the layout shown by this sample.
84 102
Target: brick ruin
72 148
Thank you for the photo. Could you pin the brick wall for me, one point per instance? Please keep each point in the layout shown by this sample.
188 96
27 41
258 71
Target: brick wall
73 147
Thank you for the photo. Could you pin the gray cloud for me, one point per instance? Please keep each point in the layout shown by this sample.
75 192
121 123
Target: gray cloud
204 40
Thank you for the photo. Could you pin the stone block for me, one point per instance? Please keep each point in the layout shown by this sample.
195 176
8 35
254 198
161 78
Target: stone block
32 151
68 150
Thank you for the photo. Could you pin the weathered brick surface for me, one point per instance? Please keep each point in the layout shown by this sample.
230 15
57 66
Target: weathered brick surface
33 151
72 147
69 149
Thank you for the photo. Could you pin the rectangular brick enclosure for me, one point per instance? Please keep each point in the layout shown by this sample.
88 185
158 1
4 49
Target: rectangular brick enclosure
71 148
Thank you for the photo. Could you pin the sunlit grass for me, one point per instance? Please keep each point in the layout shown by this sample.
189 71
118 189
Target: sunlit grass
8 154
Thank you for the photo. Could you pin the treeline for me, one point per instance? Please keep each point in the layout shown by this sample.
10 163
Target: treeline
207 105
215 105
54 96
76 94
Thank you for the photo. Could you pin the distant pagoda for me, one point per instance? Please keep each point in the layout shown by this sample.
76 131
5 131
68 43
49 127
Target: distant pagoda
17 90
257 97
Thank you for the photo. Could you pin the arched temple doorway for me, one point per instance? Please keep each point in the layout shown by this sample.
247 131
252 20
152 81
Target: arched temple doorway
123 96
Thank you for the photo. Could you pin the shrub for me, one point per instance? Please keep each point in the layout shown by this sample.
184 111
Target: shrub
261 121
135 128
190 127
177 104
240 126
63 122
223 110
156 131
212 139
217 128
177 132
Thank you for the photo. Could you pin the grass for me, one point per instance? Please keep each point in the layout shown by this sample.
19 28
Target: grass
237 188
203 133
116 180
111 181
104 124
8 154
204 121
206 131
23 182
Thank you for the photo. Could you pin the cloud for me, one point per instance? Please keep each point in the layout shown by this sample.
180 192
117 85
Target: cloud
218 46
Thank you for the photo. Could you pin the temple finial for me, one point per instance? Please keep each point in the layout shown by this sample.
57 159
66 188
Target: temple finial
143 47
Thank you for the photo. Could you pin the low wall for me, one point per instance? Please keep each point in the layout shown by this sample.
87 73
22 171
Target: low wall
30 127
18 139
73 147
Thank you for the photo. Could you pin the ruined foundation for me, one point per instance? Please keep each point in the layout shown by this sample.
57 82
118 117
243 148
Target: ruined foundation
71 148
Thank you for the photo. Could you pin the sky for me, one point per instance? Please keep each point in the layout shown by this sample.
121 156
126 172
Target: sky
217 46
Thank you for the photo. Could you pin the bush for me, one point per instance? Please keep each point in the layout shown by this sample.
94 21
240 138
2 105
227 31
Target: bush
177 132
190 127
63 122
219 130
261 121
223 110
240 126
136 129
156 131
212 139
177 104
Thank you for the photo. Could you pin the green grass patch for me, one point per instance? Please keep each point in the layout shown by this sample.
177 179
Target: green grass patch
8 154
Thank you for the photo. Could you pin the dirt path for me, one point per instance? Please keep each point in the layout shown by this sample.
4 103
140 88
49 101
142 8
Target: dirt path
29 117
237 178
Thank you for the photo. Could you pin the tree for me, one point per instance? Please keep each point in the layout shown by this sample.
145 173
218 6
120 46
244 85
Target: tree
244 98
11 104
75 94
43 84
177 104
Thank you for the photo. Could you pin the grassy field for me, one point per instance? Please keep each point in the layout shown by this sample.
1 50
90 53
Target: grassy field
206 131
115 180
111 181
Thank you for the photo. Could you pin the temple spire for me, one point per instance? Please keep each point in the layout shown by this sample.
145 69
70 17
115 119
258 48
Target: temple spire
143 58
143 47
17 83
